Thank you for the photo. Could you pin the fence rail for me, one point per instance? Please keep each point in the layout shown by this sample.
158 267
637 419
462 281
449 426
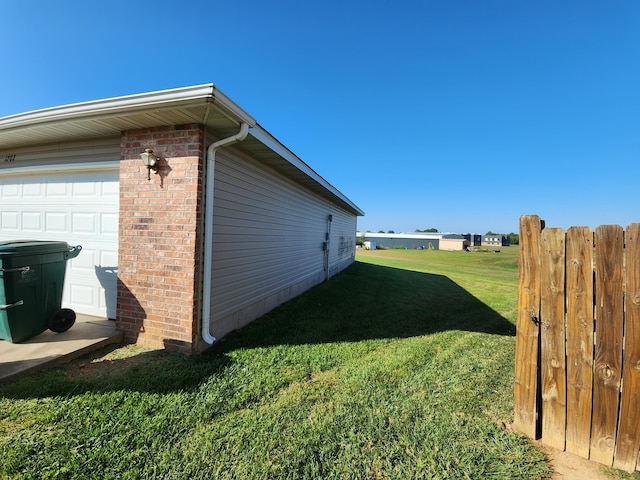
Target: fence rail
577 375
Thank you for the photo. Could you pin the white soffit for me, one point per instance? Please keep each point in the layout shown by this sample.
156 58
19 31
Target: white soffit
202 104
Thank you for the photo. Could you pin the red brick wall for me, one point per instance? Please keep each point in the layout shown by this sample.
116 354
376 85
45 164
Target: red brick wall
160 237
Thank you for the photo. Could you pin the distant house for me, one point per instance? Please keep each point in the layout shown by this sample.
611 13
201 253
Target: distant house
495 241
454 242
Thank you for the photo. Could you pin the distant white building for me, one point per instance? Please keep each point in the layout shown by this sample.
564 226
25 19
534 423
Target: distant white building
427 241
404 240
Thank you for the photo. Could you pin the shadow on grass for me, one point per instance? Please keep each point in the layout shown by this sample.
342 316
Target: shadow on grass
372 302
364 302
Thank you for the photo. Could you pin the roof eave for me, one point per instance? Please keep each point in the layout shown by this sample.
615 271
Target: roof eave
130 104
49 120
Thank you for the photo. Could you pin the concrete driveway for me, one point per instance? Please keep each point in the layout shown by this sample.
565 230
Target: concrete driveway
49 349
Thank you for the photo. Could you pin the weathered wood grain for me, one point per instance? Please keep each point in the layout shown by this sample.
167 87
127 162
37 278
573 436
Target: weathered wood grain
552 337
607 371
580 327
628 441
527 327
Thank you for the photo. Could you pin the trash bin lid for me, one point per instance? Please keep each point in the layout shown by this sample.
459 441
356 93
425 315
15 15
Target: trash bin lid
27 247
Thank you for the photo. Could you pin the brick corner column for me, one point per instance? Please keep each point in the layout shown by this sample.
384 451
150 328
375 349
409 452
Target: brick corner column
160 238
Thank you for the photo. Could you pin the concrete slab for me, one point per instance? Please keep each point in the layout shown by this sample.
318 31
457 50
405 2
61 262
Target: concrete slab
49 349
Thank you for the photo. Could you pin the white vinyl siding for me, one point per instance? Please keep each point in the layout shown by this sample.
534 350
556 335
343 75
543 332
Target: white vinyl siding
63 155
343 241
268 239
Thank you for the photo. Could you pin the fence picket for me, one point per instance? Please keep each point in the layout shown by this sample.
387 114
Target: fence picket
608 349
579 292
527 326
552 337
628 441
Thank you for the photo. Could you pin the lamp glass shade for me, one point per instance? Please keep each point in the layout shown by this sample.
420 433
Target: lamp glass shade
148 158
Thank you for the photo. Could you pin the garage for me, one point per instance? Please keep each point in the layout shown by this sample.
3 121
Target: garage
187 211
76 203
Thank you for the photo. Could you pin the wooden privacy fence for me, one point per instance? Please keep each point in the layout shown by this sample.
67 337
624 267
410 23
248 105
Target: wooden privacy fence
577 374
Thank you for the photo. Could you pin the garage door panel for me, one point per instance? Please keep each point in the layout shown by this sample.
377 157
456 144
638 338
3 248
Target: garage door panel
32 190
56 189
10 191
86 190
108 259
83 296
80 208
107 274
110 190
84 223
84 262
56 222
32 222
109 224
9 221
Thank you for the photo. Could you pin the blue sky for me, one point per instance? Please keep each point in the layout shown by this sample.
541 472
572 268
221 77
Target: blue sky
458 115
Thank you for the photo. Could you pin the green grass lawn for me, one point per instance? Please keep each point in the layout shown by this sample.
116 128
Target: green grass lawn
401 367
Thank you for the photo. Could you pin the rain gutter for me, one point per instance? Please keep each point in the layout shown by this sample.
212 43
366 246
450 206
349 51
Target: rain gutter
208 228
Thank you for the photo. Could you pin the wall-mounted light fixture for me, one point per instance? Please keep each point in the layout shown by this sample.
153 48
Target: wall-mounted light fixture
150 161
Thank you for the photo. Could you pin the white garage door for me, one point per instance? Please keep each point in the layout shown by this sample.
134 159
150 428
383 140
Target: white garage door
78 205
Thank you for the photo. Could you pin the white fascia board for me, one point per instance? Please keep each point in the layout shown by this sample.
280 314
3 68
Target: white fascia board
269 141
159 100
223 101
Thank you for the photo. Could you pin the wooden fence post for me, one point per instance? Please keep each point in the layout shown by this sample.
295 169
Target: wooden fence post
528 327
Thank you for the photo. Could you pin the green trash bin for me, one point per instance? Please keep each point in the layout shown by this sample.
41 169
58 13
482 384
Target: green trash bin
31 280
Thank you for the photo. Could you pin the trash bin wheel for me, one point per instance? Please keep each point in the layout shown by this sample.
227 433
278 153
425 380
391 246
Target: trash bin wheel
62 320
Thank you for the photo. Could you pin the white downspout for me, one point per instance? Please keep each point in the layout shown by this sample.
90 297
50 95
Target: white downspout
208 228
